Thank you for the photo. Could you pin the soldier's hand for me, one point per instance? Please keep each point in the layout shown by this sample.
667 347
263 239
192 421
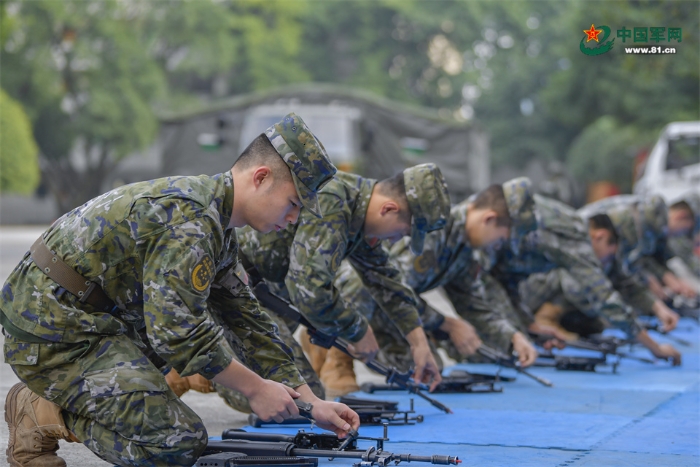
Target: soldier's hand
462 334
273 401
679 286
668 352
525 350
366 348
426 369
335 417
667 317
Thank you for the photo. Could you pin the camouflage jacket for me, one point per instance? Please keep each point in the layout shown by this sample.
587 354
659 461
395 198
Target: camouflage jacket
561 241
448 260
162 252
641 228
304 259
682 247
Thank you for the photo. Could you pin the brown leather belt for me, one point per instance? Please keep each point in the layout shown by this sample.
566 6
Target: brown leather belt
65 276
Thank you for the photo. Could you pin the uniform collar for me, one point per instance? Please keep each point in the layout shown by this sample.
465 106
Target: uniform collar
357 221
225 182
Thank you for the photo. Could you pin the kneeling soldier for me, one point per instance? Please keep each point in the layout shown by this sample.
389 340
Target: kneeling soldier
145 277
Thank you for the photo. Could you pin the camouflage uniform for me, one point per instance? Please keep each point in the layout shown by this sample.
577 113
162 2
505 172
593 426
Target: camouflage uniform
641 225
682 245
559 242
163 253
301 262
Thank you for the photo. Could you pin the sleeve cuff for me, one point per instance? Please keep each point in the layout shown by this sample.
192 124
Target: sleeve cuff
211 363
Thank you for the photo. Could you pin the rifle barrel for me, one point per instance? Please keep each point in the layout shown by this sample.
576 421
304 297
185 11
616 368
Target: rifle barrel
500 359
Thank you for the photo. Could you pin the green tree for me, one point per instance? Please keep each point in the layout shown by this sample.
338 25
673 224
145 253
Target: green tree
19 166
605 150
88 86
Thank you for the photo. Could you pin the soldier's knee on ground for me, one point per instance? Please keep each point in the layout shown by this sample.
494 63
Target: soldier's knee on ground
141 428
550 314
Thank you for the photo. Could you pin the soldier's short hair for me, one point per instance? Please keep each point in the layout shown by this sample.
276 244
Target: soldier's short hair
682 205
395 188
494 199
261 152
603 221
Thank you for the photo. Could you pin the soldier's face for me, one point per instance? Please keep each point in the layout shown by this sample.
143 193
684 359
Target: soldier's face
680 222
385 220
277 206
603 244
483 230
391 228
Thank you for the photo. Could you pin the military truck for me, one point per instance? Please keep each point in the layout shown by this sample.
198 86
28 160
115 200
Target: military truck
362 132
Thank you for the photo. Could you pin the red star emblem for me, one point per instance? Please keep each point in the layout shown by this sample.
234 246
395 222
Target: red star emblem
593 33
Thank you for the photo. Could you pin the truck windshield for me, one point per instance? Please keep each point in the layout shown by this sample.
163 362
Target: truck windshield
683 152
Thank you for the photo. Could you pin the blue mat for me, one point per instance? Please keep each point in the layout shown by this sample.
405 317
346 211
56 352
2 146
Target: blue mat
643 415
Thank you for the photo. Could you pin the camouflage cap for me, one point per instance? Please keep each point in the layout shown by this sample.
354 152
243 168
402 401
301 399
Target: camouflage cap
653 216
428 200
306 157
521 208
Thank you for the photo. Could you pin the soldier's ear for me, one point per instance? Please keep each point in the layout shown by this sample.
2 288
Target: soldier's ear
389 207
262 175
490 217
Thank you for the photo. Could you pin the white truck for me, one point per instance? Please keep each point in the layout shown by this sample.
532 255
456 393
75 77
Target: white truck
673 166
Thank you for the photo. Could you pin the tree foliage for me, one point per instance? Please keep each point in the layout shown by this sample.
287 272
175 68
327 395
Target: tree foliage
19 167
93 74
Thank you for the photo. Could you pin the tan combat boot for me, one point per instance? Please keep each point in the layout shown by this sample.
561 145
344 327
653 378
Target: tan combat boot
550 315
338 375
315 354
181 385
35 426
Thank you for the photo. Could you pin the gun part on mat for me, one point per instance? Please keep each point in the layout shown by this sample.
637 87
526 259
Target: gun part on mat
505 361
606 345
284 308
278 446
458 382
379 412
569 363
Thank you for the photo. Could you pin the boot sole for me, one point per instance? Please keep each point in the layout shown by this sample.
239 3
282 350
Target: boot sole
10 406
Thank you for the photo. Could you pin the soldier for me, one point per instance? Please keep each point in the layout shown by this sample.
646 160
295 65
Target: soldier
642 226
684 231
449 259
302 261
604 241
560 241
159 258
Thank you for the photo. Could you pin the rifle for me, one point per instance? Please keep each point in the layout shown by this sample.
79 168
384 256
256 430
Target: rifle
505 361
393 376
606 345
458 382
264 446
656 327
567 363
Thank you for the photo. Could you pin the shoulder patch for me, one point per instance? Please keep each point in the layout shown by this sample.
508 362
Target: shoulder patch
202 274
425 261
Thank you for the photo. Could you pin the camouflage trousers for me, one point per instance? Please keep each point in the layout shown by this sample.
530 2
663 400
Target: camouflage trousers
239 402
551 287
113 399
